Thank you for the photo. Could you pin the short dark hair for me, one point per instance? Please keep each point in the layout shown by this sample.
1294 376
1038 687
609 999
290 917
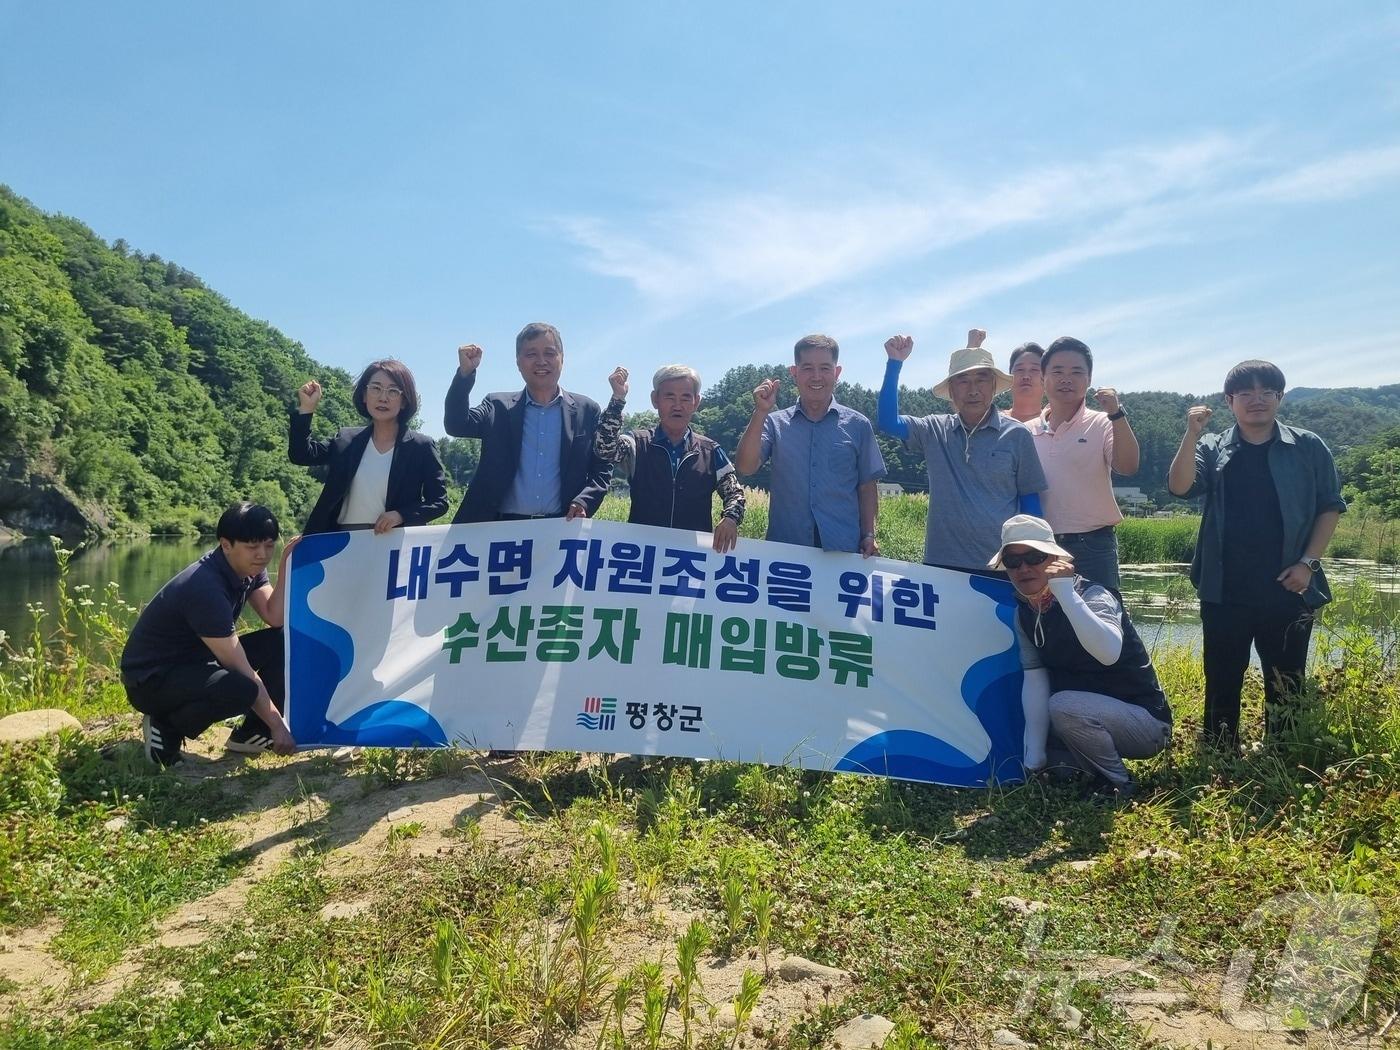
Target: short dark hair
534 330
816 341
1025 348
1065 344
1248 374
402 378
247 523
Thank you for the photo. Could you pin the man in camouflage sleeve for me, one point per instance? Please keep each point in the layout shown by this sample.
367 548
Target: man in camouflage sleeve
672 469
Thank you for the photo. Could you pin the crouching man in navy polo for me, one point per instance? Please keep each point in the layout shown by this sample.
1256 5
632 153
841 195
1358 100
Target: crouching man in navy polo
672 470
1089 683
185 666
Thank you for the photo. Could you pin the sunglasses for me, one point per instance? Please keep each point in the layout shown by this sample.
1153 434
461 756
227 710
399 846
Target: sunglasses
1015 561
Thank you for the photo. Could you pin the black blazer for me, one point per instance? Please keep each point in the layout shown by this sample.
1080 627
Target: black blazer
499 420
417 487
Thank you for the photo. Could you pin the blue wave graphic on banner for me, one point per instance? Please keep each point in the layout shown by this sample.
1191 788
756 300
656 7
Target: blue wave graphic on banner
911 755
994 684
322 654
587 721
991 688
389 723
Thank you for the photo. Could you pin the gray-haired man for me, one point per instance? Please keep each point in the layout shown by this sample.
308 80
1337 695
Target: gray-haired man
672 470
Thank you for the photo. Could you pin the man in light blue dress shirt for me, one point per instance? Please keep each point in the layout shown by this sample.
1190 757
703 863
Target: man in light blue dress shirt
826 463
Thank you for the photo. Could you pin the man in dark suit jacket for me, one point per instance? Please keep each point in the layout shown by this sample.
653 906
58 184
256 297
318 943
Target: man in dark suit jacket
537 456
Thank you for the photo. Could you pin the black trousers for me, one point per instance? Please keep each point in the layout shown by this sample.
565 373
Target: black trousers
192 697
1280 633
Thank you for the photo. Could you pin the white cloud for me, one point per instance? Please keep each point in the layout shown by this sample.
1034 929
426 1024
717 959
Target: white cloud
749 250
928 309
863 266
1336 178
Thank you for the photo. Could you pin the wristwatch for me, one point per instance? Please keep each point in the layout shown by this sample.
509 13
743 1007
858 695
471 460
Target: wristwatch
1115 416
1314 564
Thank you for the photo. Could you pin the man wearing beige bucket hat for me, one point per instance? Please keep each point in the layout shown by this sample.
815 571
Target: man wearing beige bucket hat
1088 676
982 465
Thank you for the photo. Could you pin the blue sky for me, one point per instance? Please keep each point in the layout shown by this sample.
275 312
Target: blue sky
1182 186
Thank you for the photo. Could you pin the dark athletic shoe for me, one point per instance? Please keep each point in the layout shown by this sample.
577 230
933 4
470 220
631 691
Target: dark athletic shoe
1105 792
162 743
250 738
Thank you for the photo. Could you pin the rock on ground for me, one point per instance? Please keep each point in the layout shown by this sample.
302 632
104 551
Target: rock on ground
1005 1037
796 968
1020 906
35 725
866 1032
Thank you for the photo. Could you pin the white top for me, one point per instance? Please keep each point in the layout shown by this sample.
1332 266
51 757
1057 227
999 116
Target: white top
369 488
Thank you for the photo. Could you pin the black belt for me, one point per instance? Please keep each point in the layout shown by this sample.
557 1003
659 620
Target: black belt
1076 535
524 517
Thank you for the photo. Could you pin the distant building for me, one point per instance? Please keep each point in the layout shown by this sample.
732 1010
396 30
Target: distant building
1131 499
889 488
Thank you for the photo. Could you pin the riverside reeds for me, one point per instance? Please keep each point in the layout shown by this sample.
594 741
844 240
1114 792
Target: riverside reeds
534 942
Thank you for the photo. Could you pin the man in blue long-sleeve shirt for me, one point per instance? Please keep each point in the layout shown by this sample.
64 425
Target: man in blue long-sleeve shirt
982 465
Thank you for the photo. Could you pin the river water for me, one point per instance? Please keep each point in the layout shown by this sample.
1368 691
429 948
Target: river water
1160 598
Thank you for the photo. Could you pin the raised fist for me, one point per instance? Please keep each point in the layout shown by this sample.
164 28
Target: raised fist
618 382
468 358
1197 416
899 347
1108 399
309 396
975 337
765 395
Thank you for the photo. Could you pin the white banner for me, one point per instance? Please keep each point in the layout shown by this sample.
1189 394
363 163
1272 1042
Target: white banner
601 636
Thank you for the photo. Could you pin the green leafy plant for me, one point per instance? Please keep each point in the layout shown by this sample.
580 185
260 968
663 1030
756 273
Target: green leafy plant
750 988
688 948
592 898
656 1000
761 901
732 896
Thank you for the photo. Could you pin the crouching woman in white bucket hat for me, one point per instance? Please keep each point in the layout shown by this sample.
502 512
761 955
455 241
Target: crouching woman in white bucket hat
1089 684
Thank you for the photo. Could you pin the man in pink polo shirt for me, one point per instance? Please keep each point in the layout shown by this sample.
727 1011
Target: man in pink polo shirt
1079 450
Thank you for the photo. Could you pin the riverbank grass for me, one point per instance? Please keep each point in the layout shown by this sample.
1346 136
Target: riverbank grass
448 899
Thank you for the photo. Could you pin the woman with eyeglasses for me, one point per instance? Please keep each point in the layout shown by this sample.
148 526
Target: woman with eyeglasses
1089 692
382 475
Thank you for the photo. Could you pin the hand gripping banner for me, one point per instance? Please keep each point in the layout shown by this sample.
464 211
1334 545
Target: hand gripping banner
602 636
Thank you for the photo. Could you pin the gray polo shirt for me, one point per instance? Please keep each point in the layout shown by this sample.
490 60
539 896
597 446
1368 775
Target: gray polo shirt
972 488
817 467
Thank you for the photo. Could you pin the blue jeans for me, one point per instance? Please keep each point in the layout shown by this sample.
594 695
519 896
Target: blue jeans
1095 554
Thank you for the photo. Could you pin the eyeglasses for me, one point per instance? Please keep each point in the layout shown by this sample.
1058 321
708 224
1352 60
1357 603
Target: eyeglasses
391 392
1015 561
1257 395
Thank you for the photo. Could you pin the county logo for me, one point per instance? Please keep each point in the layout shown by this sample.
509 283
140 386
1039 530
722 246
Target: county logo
599 712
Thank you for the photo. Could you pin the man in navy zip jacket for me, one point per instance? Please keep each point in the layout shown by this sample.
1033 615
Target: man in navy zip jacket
1272 500
537 456
672 470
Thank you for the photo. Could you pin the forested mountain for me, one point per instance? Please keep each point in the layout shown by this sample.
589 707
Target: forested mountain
132 396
